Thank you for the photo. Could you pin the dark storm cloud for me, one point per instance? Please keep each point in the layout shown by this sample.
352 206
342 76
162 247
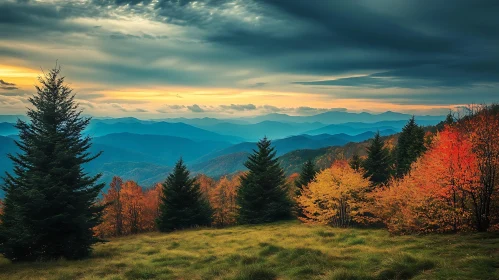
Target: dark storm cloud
412 45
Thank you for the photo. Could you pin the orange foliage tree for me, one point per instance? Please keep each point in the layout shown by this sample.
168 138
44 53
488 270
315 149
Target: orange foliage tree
112 218
132 198
223 201
129 209
151 208
206 185
483 127
434 196
336 197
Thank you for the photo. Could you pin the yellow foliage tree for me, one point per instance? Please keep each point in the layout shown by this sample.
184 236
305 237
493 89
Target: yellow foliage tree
336 197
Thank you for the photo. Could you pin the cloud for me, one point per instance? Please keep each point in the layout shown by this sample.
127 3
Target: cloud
271 109
165 109
236 107
257 85
119 107
195 108
404 47
7 86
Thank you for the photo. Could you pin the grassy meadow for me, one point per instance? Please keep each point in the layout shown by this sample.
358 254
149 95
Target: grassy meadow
287 250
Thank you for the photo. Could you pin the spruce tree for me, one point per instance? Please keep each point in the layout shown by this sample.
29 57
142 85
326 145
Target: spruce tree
378 164
411 145
307 175
355 162
262 196
182 205
50 208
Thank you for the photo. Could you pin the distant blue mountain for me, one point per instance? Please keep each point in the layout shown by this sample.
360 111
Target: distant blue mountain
341 117
201 122
271 129
159 128
297 142
164 149
356 128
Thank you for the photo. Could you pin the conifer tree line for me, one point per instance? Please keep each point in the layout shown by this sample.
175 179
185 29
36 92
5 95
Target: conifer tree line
417 181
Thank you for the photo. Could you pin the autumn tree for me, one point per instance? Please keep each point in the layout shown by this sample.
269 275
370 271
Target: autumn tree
483 126
262 196
182 205
50 201
132 201
206 185
150 211
129 209
434 196
224 201
378 164
112 222
411 145
335 197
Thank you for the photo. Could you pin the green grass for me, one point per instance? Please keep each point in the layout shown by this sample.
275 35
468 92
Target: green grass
277 251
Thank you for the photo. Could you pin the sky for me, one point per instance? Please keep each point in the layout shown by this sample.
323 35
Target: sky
169 58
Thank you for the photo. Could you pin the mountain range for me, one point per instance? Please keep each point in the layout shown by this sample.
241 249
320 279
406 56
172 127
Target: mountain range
145 150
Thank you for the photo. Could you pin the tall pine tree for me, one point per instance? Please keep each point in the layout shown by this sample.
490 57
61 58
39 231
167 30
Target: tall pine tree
307 175
182 205
262 196
378 164
50 208
411 145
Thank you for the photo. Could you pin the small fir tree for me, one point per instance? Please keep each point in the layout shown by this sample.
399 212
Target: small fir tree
378 164
50 204
411 145
182 205
262 196
356 162
307 175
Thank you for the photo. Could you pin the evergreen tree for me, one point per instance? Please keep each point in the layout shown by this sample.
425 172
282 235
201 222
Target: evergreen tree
262 196
50 208
182 205
355 162
449 119
307 175
378 164
411 145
